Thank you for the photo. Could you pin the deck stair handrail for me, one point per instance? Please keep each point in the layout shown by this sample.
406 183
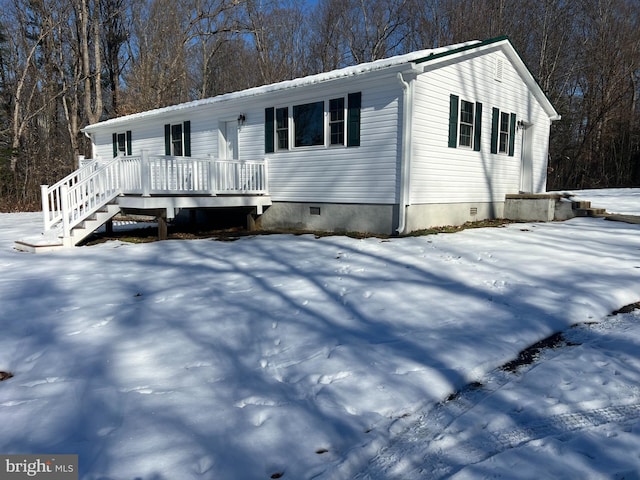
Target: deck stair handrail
51 198
87 190
75 198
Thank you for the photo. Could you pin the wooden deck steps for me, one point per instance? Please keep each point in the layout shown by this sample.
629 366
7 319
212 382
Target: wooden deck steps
53 239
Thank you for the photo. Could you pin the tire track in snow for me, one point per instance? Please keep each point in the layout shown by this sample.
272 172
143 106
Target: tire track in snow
423 451
568 422
435 447
410 448
438 465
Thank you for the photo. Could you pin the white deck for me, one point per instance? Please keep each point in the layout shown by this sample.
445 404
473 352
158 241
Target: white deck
78 204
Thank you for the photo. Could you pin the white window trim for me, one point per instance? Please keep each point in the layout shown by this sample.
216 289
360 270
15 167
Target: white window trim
460 123
173 153
326 125
345 114
501 132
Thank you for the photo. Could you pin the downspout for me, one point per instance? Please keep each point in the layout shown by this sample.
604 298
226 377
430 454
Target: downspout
405 151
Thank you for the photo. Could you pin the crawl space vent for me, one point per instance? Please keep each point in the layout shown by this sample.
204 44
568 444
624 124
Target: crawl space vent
473 211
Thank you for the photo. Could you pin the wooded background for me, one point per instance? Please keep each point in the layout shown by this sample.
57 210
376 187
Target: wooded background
67 63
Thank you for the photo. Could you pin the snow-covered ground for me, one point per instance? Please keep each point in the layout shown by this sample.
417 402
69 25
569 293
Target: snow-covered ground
294 357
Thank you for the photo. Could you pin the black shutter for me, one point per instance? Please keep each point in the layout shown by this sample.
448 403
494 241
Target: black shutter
269 115
477 127
453 121
167 139
512 134
186 133
129 143
354 106
495 125
115 145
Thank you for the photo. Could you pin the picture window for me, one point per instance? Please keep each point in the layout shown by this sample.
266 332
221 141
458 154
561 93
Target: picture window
334 122
308 124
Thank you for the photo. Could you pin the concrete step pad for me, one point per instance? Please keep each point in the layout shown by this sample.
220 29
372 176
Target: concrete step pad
590 212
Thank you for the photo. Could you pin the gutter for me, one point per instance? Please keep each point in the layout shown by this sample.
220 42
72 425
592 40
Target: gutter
405 148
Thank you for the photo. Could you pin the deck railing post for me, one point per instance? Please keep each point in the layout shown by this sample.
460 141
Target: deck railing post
265 178
145 173
45 205
212 175
64 193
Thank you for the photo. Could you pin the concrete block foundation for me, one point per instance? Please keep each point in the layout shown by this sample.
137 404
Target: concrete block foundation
329 217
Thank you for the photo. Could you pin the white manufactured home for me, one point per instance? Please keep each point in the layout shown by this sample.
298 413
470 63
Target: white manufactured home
434 137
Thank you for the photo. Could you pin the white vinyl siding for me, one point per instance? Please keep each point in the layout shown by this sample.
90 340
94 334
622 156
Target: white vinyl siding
454 175
324 174
368 171
363 174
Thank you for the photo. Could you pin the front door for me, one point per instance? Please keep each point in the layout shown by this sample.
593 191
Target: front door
230 147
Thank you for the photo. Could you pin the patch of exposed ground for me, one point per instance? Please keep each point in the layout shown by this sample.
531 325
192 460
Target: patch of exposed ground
145 234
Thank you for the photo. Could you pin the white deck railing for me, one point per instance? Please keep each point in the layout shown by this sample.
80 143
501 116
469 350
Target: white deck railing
97 183
52 197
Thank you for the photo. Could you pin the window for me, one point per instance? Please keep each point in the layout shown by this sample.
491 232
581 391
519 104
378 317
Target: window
177 139
503 132
282 128
122 143
465 123
503 139
308 124
336 121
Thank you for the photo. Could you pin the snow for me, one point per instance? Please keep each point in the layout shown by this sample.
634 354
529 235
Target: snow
328 358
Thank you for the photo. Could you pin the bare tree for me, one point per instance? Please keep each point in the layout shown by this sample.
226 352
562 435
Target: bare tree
279 37
116 16
165 40
329 45
376 28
